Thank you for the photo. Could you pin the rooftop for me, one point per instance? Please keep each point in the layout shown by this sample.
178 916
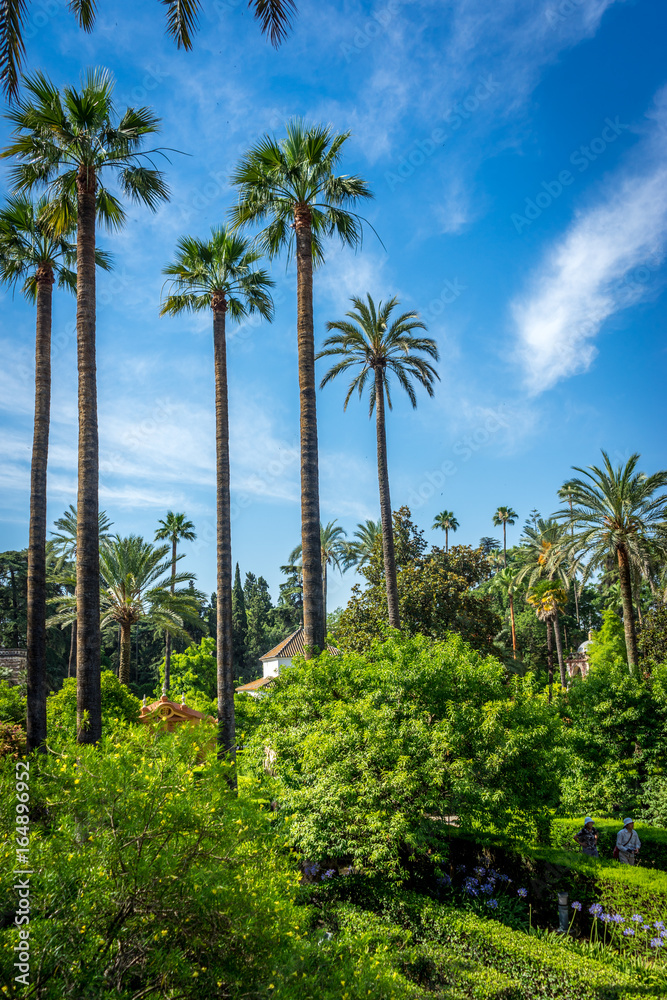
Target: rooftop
293 645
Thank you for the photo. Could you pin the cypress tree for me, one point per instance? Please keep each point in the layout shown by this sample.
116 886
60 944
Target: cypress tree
239 626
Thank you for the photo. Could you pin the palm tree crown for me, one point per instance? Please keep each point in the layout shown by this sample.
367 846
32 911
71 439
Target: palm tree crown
334 552
77 134
274 16
618 512
278 179
360 549
217 274
504 516
447 522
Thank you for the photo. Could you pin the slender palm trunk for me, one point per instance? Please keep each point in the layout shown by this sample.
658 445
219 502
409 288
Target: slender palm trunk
71 666
446 540
224 652
385 507
505 544
511 597
167 651
550 660
125 652
324 588
36 614
626 599
559 648
88 695
311 556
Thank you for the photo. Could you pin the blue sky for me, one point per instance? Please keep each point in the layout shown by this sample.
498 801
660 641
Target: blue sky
516 149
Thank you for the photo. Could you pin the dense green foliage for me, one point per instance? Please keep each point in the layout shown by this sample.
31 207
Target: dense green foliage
371 753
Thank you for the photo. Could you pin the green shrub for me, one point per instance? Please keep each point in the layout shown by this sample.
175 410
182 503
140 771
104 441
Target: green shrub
370 753
12 740
12 703
654 840
195 674
119 706
655 802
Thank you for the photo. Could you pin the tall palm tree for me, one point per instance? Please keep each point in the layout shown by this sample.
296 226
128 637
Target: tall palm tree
447 522
219 276
175 528
506 580
136 585
565 493
333 552
64 546
504 516
360 549
33 253
292 183
67 142
367 341
274 17
548 598
617 512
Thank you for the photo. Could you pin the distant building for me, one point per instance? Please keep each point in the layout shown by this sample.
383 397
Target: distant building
280 656
577 664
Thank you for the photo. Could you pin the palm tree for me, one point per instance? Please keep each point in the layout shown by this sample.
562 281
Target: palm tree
447 522
548 598
136 587
366 341
64 546
274 17
175 528
617 512
488 545
30 251
334 552
504 516
292 183
66 142
219 275
506 581
565 493
360 549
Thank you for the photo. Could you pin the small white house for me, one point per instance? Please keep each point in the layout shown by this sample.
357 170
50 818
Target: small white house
278 657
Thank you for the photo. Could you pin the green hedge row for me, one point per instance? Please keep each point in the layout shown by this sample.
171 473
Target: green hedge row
654 839
523 965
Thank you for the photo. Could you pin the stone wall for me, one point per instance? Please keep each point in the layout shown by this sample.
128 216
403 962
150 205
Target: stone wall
13 664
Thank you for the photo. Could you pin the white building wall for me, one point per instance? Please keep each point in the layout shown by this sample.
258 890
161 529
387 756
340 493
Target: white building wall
272 667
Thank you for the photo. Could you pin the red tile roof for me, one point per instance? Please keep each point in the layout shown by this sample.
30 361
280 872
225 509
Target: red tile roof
292 646
256 685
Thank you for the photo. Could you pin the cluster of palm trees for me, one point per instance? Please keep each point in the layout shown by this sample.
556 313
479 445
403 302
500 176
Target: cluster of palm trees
64 144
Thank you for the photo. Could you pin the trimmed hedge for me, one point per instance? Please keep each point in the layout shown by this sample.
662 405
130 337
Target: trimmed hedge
654 839
524 966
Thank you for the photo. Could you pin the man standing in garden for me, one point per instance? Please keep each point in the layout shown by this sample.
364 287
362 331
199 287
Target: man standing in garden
587 838
628 843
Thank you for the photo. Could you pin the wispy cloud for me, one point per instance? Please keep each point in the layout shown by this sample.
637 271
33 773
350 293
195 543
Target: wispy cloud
598 267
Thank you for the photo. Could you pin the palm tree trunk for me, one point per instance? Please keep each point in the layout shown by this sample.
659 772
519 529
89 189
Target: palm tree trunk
550 661
559 649
71 666
511 597
167 651
36 612
224 649
385 507
628 616
446 540
313 598
324 588
88 695
504 544
125 652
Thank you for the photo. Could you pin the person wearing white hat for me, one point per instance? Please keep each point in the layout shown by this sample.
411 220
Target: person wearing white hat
628 843
587 838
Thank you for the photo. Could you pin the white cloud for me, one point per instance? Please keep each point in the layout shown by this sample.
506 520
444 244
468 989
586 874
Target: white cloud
599 267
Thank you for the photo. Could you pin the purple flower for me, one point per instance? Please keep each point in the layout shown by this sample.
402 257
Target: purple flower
328 874
636 917
618 919
657 942
487 888
444 880
522 892
493 903
595 910
628 932
659 925
605 918
576 906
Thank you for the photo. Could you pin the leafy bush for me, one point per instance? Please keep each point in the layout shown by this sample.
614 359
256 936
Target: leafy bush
369 754
119 706
655 806
12 703
12 740
194 673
